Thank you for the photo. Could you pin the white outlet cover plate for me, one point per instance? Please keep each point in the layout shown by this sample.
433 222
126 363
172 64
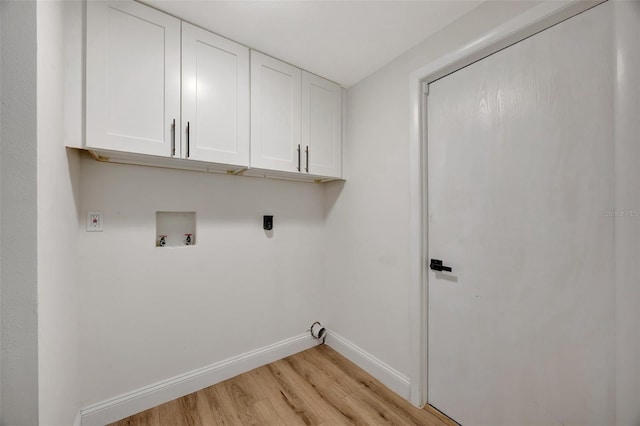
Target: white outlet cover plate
94 221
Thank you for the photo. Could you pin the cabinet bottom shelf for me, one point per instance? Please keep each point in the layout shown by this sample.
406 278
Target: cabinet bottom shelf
106 156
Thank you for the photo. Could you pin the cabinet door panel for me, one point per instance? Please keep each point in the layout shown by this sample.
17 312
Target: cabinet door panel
215 97
133 77
322 125
275 113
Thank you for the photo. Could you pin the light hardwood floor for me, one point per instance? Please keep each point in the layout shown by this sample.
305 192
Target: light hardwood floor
314 387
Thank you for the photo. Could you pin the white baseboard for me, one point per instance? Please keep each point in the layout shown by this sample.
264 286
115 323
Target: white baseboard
78 420
142 399
391 378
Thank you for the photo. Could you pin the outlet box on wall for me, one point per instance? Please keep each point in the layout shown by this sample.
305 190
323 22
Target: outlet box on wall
175 229
94 221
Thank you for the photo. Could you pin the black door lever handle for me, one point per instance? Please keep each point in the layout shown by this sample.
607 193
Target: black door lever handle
437 265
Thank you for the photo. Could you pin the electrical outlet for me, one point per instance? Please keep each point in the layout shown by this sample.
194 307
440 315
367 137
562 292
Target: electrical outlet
94 221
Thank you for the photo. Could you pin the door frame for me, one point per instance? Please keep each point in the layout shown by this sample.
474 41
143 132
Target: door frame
533 21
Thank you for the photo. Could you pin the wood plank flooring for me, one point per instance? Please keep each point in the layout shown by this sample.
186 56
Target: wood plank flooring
315 387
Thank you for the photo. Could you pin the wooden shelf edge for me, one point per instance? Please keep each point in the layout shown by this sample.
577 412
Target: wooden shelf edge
105 156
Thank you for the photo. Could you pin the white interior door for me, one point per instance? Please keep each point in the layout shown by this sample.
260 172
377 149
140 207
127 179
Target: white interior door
520 168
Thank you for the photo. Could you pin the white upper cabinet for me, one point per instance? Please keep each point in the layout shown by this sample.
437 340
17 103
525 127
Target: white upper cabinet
215 98
321 126
275 114
296 120
133 78
160 91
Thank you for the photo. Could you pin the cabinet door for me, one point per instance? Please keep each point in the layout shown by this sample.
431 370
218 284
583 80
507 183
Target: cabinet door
215 98
133 78
275 114
321 126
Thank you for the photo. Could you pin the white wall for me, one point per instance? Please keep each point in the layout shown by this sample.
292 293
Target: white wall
74 41
368 219
147 314
1 70
627 227
58 172
18 331
150 313
367 230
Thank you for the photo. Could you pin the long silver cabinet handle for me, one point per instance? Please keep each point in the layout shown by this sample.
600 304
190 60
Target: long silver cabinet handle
306 151
298 157
173 138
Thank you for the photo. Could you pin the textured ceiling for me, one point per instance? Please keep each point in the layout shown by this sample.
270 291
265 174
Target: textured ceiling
343 41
